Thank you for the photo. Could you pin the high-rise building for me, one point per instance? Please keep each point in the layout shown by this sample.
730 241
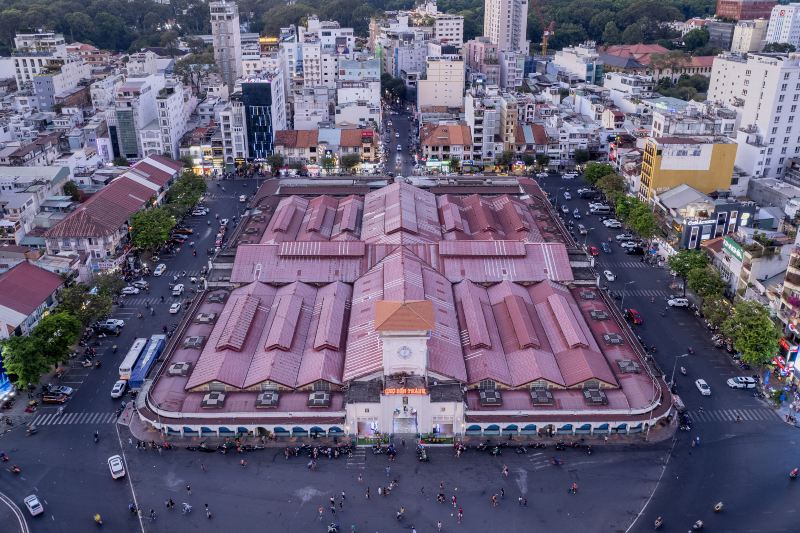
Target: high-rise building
33 53
764 89
264 104
744 9
443 85
135 108
505 23
748 36
227 39
784 25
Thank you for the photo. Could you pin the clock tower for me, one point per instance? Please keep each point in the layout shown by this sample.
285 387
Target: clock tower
404 328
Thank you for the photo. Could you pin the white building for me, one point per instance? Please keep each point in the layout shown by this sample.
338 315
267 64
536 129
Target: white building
448 29
102 91
764 89
443 85
233 127
482 113
34 52
227 39
142 64
58 80
623 88
312 107
698 119
512 69
162 136
135 108
784 25
581 61
505 23
748 36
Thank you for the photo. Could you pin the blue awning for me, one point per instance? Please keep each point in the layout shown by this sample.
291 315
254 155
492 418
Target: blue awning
206 430
529 427
566 427
586 427
493 427
474 427
317 429
297 429
187 429
223 429
511 427
622 426
240 429
602 426
335 429
279 429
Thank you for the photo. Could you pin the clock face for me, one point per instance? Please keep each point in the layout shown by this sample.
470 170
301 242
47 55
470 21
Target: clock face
404 352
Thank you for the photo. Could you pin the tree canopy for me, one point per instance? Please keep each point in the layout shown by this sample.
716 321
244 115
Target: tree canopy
150 228
594 171
705 282
753 332
687 260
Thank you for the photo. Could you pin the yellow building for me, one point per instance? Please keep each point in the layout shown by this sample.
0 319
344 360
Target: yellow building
704 163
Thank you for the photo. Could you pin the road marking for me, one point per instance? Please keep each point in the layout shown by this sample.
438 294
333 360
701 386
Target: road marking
729 415
74 418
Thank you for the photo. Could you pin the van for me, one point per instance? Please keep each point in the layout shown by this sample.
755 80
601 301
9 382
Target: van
600 210
177 290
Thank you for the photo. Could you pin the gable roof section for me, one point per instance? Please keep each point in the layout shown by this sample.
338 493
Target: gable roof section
25 287
404 316
446 135
400 214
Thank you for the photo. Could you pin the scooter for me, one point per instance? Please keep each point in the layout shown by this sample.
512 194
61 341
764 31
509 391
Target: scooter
683 371
658 523
793 474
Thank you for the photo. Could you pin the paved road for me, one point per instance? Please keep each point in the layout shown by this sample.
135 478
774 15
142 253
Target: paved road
400 163
744 464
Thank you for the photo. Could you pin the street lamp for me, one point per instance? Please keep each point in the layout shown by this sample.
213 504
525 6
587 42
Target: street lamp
674 366
586 236
622 302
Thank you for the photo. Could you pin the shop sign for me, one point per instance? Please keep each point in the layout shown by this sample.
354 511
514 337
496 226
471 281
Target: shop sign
733 248
405 390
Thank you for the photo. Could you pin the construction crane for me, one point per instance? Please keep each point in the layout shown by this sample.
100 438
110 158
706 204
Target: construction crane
548 29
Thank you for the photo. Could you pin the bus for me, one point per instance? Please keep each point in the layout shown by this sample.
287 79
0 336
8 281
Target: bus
129 362
154 348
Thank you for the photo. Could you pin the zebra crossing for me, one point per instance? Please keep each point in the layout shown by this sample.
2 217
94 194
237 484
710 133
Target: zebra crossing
729 415
625 264
647 292
358 460
54 419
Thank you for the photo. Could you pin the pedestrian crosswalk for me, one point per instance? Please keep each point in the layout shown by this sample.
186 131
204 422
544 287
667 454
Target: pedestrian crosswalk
729 415
624 264
647 292
358 459
54 419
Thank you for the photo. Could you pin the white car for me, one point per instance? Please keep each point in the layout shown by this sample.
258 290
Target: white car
397 134
611 222
614 225
582 229
703 387
542 175
34 505
177 290
111 323
116 466
565 209
242 198
628 244
569 176
175 308
678 302
399 147
130 290
609 275
741 382
160 269
223 222
624 237
140 284
567 195
119 389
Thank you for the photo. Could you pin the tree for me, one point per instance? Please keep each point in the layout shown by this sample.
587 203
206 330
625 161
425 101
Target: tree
505 158
612 186
594 171
23 357
71 190
86 307
641 220
716 309
108 284
150 228
752 332
633 34
120 162
705 282
57 334
611 34
528 159
328 163
349 161
695 39
581 156
395 88
685 261
275 162
542 160
781 48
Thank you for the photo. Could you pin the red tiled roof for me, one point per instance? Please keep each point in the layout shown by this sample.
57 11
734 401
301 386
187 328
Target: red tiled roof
702 61
404 316
446 135
400 214
25 287
353 138
297 138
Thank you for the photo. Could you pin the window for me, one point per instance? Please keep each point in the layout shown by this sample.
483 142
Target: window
774 131
487 384
786 76
783 87
322 386
769 151
780 98
779 109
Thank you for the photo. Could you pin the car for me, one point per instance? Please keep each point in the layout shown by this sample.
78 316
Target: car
175 308
624 237
582 229
110 324
703 387
177 290
542 175
609 275
223 222
397 134
595 205
160 269
61 389
678 302
606 247
54 398
634 316
141 284
200 212
584 190
628 244
116 466
741 382
567 195
576 215
569 176
179 237
33 505
242 198
593 251
399 147
183 231
614 225
119 388
611 222
636 250
565 209
129 290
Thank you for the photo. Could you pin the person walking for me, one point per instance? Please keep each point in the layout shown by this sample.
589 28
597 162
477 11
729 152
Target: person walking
494 500
505 470
366 494
208 512
502 493
189 490
438 525
453 499
460 514
320 513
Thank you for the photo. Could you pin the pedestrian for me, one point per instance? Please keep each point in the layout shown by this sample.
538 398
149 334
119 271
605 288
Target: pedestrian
380 491
321 512
333 510
388 470
519 501
422 490
360 477
494 500
130 442
403 442
502 493
333 501
208 512
189 490
203 467
453 499
460 514
505 470
438 525
366 494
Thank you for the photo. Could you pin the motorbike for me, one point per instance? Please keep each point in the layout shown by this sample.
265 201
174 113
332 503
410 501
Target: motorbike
560 446
683 371
697 526
496 451
333 528
521 450
31 431
690 350
87 363
793 474
719 507
658 523
15 469
589 450
555 461
96 437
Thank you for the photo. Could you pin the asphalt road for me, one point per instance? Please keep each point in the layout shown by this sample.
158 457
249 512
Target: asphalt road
744 464
399 162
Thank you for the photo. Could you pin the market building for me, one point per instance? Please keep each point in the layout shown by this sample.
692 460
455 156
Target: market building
404 311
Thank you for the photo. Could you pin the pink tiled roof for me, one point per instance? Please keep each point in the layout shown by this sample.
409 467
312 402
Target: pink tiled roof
541 261
400 214
486 218
320 219
402 276
288 262
25 287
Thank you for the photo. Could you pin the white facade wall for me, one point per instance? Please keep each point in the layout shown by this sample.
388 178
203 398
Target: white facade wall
311 107
449 29
505 23
444 83
748 36
227 39
784 25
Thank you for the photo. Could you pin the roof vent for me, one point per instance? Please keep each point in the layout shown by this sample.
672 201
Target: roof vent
587 295
205 318
195 341
179 369
541 396
599 314
628 367
267 399
612 338
216 297
213 400
595 397
490 397
319 399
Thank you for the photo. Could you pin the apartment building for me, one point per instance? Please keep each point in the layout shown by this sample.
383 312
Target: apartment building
33 53
233 128
227 39
443 85
481 56
134 108
749 36
581 61
784 25
162 136
505 23
312 107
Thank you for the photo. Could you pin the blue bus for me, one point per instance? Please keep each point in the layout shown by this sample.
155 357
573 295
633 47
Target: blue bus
149 356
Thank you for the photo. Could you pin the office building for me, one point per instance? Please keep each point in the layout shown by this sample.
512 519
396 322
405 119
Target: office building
264 105
581 61
744 9
227 39
134 108
784 25
443 85
748 36
505 23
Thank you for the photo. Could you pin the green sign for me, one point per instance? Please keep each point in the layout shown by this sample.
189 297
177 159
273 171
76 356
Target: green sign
733 248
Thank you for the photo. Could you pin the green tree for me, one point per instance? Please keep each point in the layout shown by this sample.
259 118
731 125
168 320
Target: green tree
57 334
275 162
581 156
24 359
528 159
611 34
780 48
641 220
716 309
633 34
685 261
88 308
705 282
505 159
150 228
108 284
349 161
594 171
612 186
120 162
542 160
328 163
187 190
695 39
71 190
753 332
